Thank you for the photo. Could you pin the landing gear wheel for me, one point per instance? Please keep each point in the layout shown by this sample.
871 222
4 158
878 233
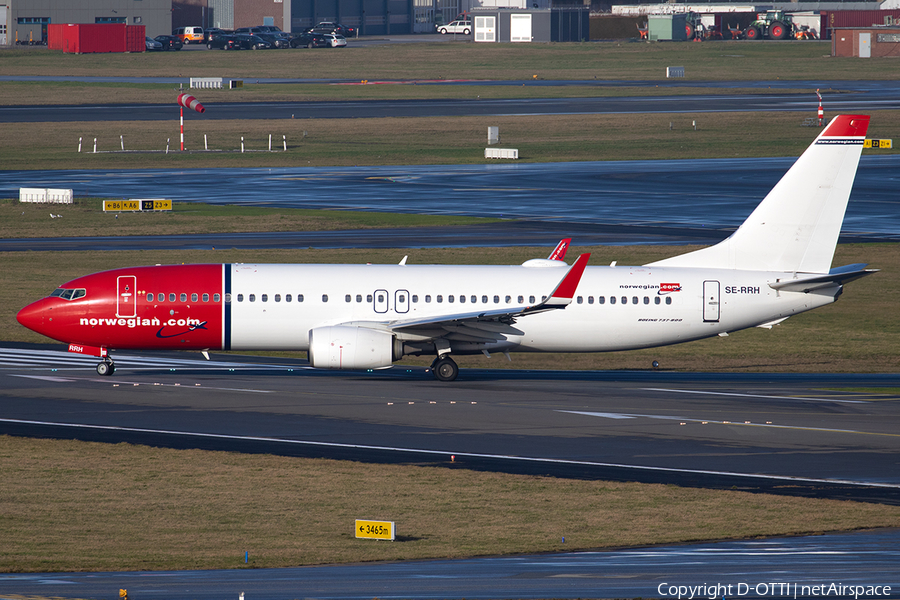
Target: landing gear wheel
106 368
445 369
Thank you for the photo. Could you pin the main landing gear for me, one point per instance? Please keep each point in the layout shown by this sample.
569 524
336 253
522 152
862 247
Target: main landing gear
444 368
107 367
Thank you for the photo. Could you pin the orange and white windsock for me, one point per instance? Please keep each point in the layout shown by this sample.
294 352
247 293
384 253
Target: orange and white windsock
821 111
189 101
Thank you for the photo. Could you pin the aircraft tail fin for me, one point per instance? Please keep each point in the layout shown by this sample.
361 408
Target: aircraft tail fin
796 227
559 253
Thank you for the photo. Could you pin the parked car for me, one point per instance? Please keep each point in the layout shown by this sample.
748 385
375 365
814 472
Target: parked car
251 42
463 27
222 41
271 33
335 40
213 31
189 35
310 40
152 44
331 27
169 42
276 40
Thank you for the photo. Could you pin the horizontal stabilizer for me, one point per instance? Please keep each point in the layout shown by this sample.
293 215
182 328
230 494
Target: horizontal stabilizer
837 276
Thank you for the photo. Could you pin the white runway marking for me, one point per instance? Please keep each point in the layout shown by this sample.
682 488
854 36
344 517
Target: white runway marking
705 421
118 382
441 453
44 378
57 360
755 396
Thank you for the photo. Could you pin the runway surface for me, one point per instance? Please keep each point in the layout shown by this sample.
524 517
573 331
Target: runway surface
820 435
776 568
867 95
372 109
650 198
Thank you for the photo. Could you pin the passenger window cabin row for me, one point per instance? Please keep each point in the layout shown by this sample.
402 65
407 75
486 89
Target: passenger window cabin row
182 297
381 297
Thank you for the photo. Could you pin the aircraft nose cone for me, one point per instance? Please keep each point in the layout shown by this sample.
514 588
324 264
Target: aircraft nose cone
32 316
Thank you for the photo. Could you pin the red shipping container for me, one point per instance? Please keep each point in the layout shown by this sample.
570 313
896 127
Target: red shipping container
135 38
54 36
84 38
856 18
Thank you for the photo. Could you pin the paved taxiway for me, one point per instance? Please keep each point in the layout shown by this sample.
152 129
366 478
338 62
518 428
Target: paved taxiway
867 95
753 569
373 109
685 194
809 434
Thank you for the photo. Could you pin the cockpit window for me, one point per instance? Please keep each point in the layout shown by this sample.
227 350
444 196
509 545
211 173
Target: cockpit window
69 294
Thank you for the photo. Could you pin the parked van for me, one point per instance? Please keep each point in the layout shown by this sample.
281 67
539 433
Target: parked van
189 35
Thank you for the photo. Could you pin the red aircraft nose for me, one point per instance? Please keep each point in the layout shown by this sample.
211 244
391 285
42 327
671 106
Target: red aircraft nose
32 316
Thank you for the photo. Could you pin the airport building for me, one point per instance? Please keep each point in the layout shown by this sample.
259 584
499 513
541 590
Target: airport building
24 21
369 17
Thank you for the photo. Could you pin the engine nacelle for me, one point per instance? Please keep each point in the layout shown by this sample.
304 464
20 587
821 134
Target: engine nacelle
343 347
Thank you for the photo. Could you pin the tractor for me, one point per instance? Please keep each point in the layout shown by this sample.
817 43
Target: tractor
695 30
772 24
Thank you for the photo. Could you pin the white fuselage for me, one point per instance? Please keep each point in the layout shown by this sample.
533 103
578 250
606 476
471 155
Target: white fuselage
614 308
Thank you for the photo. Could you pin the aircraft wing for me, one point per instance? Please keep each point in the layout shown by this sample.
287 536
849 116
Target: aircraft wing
837 276
483 325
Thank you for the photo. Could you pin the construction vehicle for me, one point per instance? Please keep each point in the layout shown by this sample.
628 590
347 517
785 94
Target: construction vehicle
694 29
804 32
772 24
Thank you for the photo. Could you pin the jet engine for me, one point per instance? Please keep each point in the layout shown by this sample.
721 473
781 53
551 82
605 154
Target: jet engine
344 347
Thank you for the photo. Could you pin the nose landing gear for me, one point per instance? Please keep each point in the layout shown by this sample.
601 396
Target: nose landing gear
444 368
107 367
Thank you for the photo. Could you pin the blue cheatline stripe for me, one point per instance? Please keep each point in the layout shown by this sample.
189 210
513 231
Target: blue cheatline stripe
227 300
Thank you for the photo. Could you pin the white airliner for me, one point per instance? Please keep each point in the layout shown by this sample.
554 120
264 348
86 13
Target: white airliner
777 264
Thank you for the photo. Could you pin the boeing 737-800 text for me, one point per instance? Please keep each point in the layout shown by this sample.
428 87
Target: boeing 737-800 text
777 264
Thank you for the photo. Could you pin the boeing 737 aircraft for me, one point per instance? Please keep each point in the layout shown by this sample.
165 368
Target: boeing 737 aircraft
777 264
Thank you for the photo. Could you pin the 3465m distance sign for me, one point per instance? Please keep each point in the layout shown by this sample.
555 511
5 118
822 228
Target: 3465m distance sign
376 530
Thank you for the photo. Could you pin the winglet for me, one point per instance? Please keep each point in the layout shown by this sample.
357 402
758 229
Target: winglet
565 290
559 253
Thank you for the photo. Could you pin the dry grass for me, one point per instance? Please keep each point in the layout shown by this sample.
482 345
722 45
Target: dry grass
856 334
441 60
414 141
71 505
